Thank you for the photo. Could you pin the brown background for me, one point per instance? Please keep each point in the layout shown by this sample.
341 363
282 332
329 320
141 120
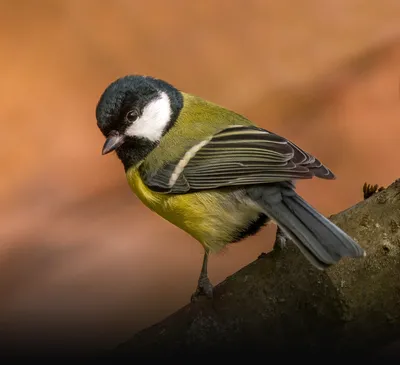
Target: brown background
82 261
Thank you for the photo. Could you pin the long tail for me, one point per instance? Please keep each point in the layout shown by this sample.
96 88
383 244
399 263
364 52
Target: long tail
320 240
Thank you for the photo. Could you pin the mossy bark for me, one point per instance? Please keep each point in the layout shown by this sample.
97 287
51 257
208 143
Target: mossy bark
281 305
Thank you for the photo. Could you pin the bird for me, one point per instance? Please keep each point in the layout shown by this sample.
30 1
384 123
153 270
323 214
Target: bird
214 173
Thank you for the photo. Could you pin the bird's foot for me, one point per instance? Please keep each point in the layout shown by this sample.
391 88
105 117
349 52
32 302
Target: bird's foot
204 289
369 190
280 240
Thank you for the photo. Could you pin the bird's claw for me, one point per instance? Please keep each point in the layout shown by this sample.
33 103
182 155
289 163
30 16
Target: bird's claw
204 289
280 240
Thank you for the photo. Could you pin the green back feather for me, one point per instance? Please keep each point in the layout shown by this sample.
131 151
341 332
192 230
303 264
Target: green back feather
198 120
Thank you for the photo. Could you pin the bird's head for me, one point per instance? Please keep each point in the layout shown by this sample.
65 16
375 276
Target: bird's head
134 112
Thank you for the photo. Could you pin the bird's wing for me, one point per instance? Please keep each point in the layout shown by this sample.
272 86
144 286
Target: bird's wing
235 156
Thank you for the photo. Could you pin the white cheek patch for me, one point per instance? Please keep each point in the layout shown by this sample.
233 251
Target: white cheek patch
155 118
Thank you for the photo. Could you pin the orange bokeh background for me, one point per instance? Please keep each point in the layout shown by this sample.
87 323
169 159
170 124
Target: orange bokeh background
82 261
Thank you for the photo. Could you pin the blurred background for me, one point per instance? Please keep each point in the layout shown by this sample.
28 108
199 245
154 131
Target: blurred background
83 262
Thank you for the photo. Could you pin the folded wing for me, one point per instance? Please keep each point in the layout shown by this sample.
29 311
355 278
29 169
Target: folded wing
236 156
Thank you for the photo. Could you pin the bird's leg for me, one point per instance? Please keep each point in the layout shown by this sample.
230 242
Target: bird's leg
204 286
280 239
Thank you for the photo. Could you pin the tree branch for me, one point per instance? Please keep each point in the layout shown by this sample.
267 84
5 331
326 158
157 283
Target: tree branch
281 305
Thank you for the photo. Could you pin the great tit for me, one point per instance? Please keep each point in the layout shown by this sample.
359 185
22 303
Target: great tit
214 173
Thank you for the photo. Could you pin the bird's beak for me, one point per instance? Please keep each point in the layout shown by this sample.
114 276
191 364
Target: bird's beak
113 141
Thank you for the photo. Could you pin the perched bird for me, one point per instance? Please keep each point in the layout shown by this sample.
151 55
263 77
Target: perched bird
214 173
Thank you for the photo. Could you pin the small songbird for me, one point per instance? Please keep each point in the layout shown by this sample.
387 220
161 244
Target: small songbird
214 173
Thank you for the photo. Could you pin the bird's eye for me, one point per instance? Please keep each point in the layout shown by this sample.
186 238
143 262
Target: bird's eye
131 116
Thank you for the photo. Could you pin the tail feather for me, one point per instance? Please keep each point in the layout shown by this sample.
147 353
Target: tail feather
320 240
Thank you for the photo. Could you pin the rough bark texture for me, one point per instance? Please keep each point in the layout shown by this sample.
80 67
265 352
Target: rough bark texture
280 305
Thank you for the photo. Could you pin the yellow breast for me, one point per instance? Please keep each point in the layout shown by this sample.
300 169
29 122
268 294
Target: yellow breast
210 217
